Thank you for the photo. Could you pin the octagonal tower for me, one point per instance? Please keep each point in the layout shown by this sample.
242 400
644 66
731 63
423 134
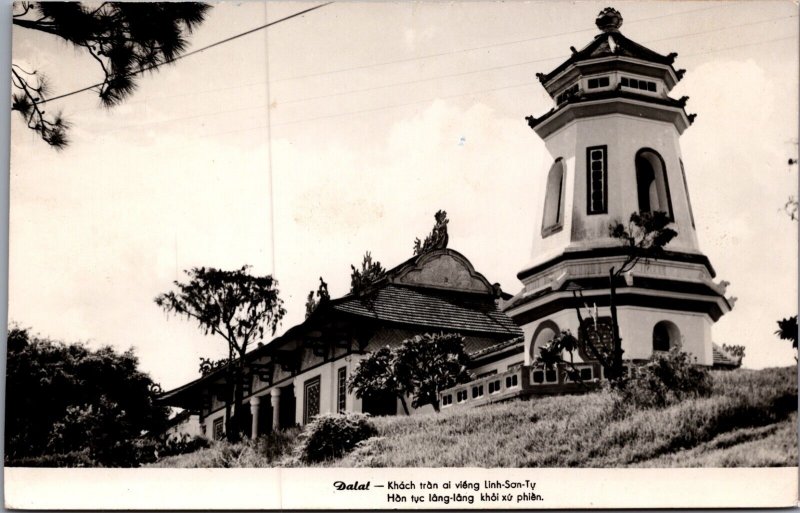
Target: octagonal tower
613 136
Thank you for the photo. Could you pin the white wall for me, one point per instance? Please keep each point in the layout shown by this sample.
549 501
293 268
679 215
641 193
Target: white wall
636 330
624 136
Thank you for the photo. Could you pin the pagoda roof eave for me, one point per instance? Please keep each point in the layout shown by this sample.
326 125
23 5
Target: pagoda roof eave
598 104
599 47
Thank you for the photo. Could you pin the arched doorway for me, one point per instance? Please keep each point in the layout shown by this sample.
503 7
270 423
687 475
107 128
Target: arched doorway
666 335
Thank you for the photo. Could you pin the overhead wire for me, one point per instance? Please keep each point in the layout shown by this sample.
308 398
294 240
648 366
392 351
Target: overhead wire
261 27
188 54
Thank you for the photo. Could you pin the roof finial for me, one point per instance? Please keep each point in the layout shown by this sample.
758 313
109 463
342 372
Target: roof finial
609 20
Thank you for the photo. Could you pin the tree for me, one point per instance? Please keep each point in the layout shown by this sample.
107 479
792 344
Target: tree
421 367
643 237
125 38
427 364
236 306
370 272
375 376
67 403
787 330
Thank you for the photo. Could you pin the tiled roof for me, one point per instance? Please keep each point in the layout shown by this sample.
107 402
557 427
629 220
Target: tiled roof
722 358
622 47
497 347
431 308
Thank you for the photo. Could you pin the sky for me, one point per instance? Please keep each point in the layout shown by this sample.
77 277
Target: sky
297 148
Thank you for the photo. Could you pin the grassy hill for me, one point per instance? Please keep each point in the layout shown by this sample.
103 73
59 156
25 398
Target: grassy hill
749 420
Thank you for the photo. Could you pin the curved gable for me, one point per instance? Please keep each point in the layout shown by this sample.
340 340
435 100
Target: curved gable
442 269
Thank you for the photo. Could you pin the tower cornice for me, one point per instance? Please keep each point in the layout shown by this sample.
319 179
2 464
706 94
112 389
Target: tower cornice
612 102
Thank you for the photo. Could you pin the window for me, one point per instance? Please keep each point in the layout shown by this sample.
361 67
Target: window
596 180
477 391
594 83
512 381
586 373
341 389
553 217
637 83
665 336
447 400
686 188
219 429
494 386
651 183
567 94
311 398
543 376
543 334
461 396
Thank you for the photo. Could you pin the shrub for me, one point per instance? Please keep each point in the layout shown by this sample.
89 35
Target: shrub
184 444
331 436
666 379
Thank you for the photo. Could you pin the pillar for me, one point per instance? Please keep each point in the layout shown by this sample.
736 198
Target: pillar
255 402
275 399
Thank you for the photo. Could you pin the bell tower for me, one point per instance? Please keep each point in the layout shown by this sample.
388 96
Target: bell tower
613 137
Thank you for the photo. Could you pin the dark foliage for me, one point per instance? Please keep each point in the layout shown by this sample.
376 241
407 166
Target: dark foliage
427 364
420 367
370 272
787 330
68 404
735 350
375 376
330 436
238 307
125 38
645 236
666 379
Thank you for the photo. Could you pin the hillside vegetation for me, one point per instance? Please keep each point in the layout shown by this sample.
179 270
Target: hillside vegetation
749 420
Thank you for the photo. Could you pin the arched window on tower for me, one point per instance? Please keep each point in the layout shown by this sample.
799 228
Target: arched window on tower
545 332
666 335
553 217
651 183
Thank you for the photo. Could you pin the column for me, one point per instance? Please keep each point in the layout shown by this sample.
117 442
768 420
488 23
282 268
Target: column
275 399
255 402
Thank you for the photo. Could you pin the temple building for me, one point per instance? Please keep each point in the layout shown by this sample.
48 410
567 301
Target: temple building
304 372
613 137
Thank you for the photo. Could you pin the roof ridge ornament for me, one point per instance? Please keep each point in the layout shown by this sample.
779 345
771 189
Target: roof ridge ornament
609 20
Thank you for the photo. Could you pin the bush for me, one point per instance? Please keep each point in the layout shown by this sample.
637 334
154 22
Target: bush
331 436
666 379
265 451
175 445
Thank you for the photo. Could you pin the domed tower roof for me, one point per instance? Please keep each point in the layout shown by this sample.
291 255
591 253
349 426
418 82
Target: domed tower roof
613 67
611 43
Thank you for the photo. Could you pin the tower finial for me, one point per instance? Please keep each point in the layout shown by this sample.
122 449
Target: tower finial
609 20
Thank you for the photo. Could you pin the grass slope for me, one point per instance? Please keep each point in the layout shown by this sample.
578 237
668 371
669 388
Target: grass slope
750 420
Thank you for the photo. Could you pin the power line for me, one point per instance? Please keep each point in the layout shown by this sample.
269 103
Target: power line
193 52
484 47
506 66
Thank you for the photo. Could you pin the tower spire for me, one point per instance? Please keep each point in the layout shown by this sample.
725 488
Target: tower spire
609 20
